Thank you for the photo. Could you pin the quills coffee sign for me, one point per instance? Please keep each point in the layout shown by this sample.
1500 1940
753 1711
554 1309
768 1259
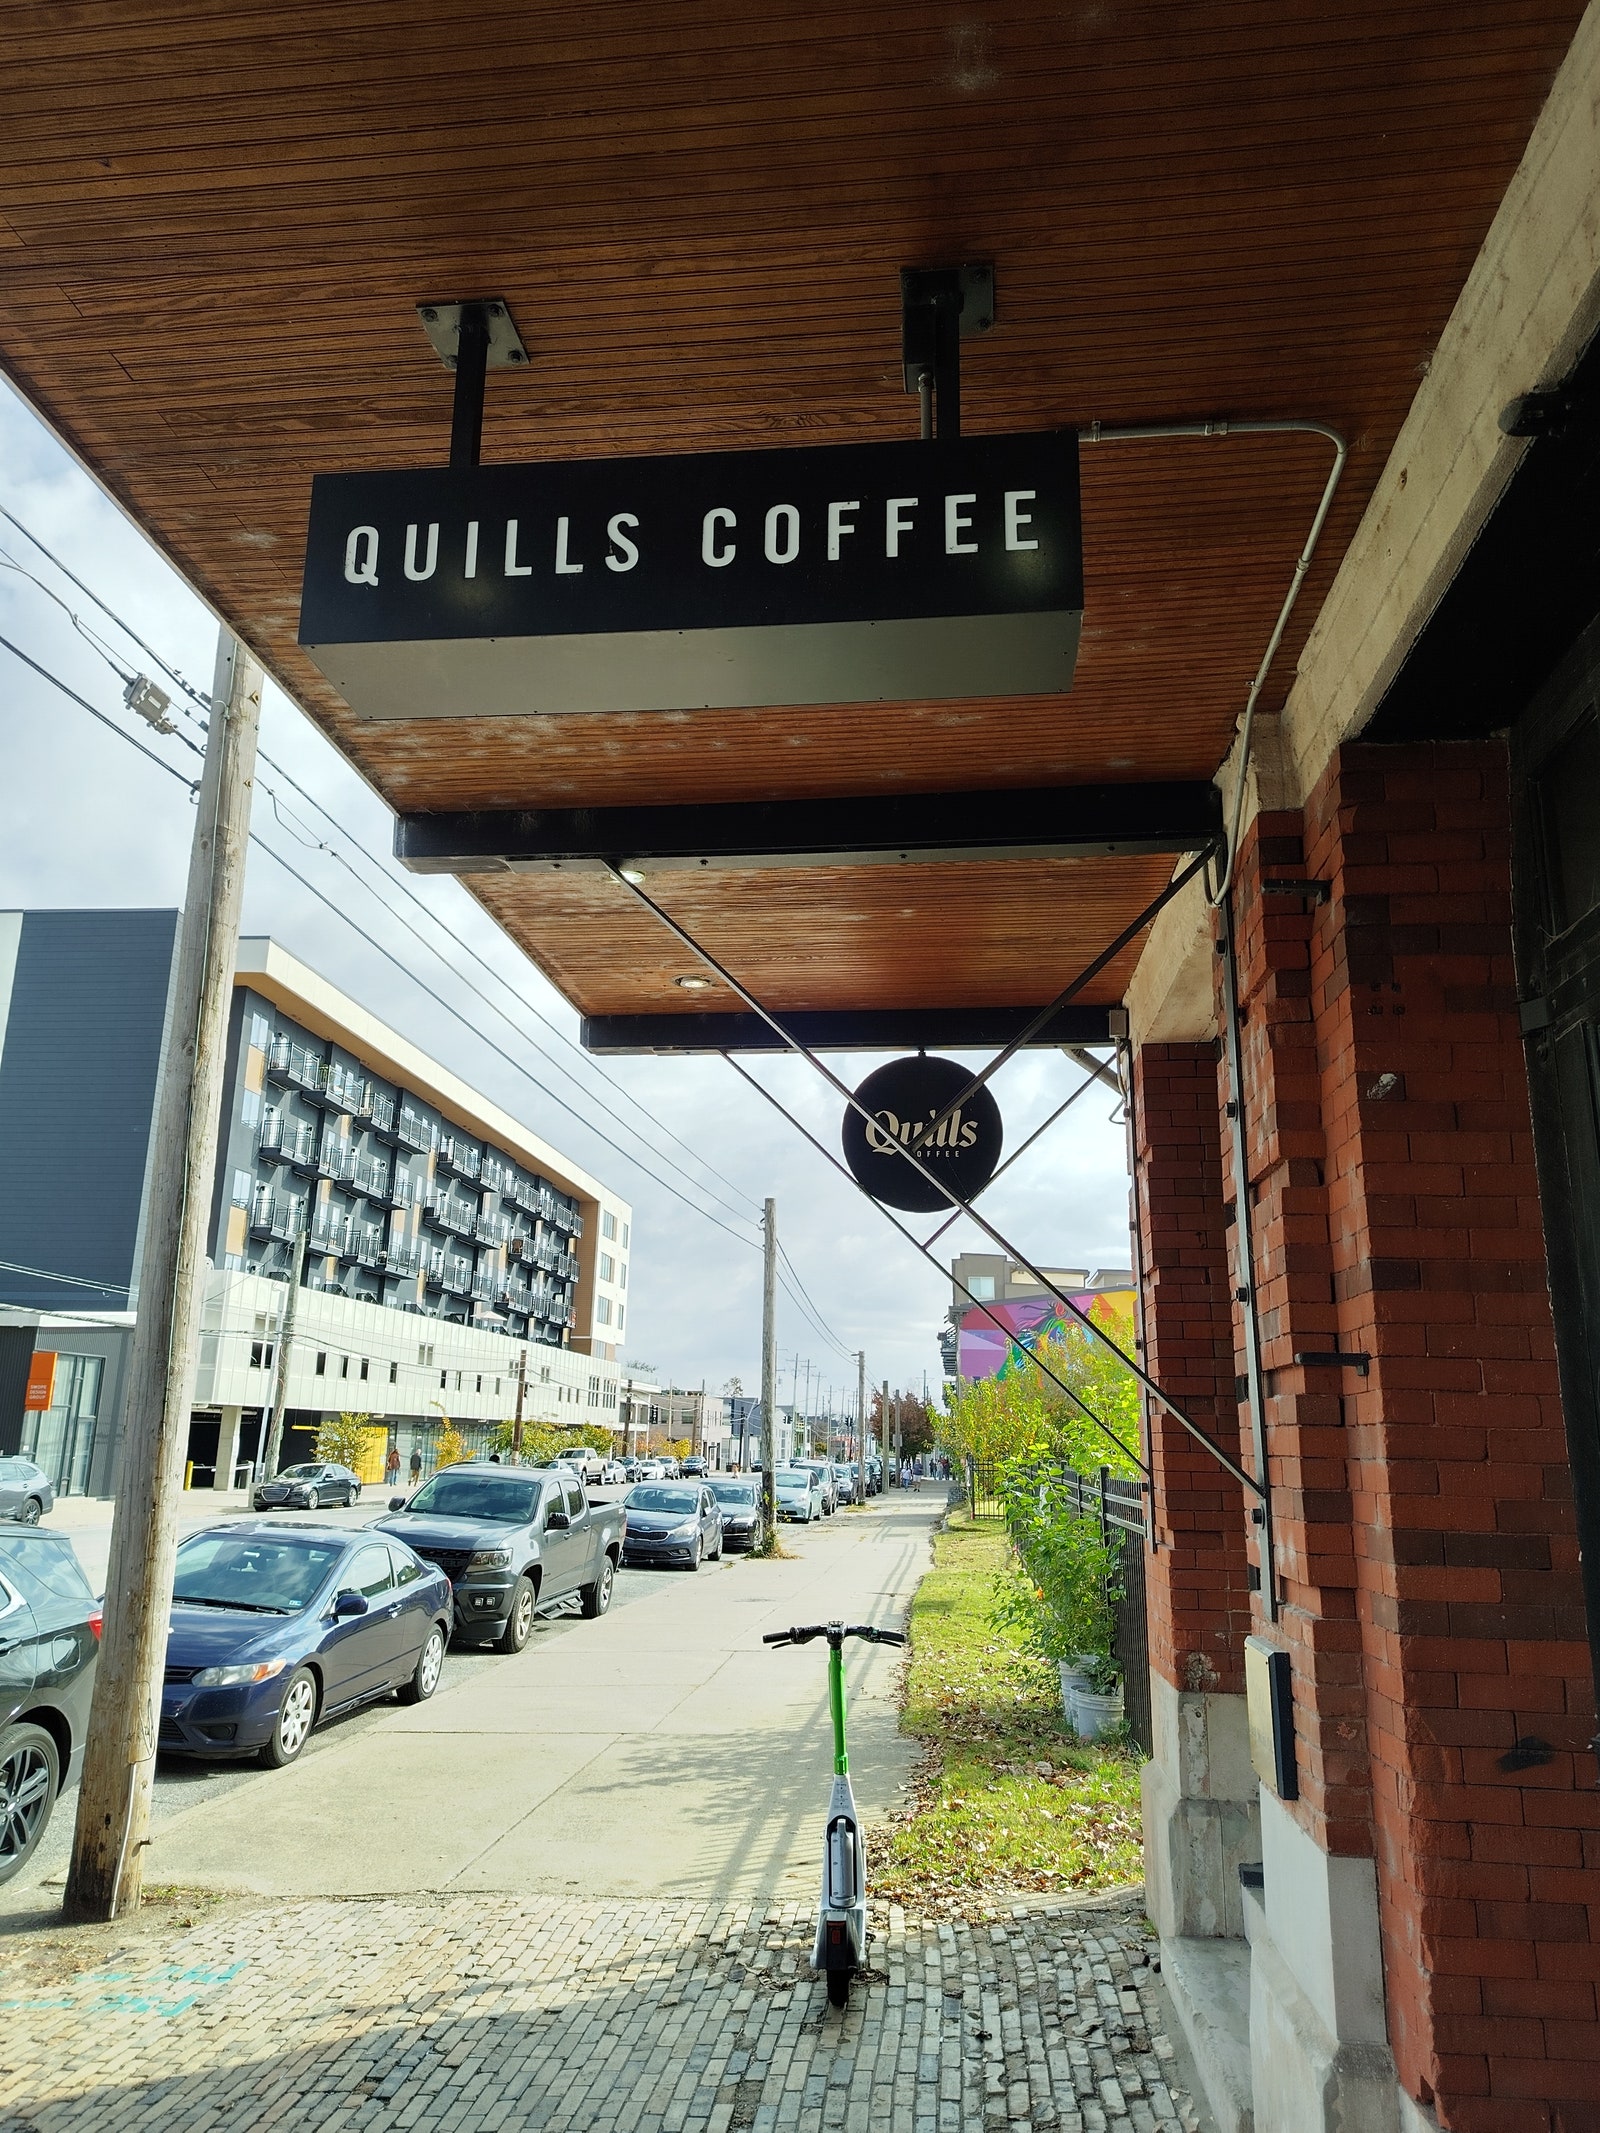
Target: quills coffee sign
903 1100
830 574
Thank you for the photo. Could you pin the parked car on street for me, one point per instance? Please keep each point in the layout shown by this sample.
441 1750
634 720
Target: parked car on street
823 1469
49 1636
614 1474
695 1466
312 1487
844 1482
799 1493
584 1460
511 1542
670 1469
671 1522
739 1500
276 1628
26 1491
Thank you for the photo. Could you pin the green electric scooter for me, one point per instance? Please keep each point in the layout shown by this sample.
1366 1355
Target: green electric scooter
841 1946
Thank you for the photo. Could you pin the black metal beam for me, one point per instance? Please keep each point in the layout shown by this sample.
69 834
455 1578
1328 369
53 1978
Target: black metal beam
889 1029
1029 822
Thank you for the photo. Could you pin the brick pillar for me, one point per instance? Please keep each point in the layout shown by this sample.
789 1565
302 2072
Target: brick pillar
1463 1573
1199 1791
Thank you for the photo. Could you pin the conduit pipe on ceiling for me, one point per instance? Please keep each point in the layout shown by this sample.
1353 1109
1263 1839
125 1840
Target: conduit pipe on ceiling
1151 432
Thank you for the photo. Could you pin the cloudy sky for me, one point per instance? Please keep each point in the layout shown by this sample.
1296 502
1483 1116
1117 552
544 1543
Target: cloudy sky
84 821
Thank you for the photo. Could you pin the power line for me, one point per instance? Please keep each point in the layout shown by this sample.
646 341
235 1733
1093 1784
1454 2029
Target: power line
391 879
387 954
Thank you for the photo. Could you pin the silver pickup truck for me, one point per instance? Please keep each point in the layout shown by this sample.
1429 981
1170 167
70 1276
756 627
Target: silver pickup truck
511 1540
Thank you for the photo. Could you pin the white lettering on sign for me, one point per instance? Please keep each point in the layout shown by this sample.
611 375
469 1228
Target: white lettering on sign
895 522
417 576
565 568
789 518
953 1132
710 525
471 570
627 554
838 526
514 569
957 521
361 556
1016 520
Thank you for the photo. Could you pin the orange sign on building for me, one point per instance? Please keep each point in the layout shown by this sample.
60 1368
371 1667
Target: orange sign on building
41 1389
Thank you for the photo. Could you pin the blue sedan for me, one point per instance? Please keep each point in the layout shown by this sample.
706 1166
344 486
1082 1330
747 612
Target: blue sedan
276 1628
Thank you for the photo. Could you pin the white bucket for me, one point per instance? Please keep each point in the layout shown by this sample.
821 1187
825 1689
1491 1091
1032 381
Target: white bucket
1094 1716
1073 1678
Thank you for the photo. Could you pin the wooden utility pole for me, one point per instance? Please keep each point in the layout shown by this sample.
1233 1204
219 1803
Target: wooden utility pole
861 1399
119 1761
273 1447
769 1367
516 1420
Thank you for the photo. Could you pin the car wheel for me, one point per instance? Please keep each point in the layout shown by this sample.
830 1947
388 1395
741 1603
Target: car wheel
694 1560
717 1553
32 1511
355 1492
30 1778
430 1661
519 1623
297 1714
312 1499
596 1598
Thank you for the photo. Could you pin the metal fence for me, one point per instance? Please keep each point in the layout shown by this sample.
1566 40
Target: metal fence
1119 1507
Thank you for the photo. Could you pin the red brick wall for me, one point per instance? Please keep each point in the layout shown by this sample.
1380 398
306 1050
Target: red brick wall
1469 1612
1195 1581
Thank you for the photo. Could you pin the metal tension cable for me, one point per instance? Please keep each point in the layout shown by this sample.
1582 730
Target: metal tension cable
916 1243
793 1044
1089 1081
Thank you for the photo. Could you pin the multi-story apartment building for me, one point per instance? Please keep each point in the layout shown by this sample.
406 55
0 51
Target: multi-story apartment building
991 1278
442 1258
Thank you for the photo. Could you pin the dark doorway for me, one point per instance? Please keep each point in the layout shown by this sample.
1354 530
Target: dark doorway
1555 762
205 1432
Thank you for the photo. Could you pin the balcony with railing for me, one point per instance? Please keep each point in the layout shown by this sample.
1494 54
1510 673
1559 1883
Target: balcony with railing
366 1244
489 1287
276 1214
413 1130
343 1087
401 1191
377 1109
462 1156
296 1063
446 1212
458 1276
409 1256
330 1231
289 1140
491 1229
370 1174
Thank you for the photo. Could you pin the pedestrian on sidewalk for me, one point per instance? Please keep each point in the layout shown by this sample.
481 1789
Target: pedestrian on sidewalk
391 1467
416 1467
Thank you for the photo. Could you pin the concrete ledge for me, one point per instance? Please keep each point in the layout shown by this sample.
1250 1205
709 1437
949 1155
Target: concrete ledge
1209 1985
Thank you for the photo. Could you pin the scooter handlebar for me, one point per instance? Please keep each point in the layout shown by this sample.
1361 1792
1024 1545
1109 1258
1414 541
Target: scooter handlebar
864 1630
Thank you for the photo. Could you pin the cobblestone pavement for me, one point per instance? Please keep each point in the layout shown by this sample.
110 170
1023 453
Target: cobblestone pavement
492 2012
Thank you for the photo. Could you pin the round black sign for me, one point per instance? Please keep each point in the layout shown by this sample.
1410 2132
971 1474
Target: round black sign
903 1099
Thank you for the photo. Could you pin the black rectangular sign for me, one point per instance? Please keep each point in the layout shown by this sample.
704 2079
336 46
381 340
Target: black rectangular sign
832 574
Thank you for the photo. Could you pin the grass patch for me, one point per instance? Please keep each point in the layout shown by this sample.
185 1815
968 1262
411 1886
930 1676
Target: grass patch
985 1818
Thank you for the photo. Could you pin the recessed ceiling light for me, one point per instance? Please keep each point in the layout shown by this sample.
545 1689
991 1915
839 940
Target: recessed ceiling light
695 984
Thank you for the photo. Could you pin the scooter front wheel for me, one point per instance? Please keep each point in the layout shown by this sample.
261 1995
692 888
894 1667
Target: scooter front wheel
839 1987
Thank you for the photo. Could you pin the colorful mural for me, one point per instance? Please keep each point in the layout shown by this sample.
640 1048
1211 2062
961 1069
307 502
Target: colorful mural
986 1350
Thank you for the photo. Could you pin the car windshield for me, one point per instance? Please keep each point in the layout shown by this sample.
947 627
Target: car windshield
653 1499
794 1477
733 1491
506 1501
298 1473
257 1573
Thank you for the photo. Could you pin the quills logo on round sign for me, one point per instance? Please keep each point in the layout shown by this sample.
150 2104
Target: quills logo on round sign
903 1099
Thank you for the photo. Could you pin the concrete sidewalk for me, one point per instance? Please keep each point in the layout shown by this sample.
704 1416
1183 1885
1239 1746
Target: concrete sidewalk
661 1750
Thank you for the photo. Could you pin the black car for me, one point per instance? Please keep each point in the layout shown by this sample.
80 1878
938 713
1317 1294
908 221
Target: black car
49 1638
275 1628
671 1522
312 1487
739 1500
511 1542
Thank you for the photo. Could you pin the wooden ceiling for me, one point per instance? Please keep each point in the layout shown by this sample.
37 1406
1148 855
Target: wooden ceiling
216 219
